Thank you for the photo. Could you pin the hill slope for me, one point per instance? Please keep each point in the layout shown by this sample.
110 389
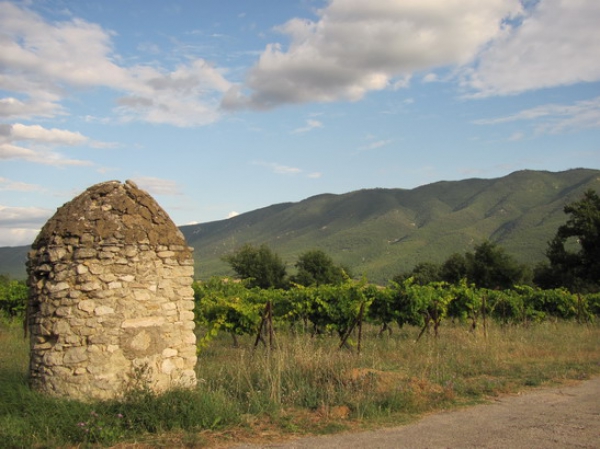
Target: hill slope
381 232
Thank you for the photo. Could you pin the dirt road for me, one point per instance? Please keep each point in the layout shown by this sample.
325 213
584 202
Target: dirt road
562 417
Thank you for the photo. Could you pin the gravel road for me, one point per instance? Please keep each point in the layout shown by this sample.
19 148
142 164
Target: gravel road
553 418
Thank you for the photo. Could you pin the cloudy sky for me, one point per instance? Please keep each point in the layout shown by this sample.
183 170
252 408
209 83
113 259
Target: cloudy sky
222 107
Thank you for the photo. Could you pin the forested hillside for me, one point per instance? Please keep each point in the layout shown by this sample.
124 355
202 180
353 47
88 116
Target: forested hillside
381 232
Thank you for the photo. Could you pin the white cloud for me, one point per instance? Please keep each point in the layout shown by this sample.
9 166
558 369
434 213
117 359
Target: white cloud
157 186
188 96
40 59
17 109
41 141
284 169
23 216
9 151
555 118
310 125
232 214
20 225
17 186
17 236
357 46
55 136
495 47
555 44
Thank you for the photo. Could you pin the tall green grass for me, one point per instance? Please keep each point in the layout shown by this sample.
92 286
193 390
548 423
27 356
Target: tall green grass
303 384
29 419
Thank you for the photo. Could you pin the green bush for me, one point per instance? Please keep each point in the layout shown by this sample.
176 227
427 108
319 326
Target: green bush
13 297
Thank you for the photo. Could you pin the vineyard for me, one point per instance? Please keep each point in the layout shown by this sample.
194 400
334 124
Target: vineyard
317 359
223 305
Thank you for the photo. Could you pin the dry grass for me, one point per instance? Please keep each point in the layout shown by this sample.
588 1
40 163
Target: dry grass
307 385
394 378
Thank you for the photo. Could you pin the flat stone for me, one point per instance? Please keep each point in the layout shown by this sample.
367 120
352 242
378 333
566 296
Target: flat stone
103 310
141 341
169 352
74 356
90 286
85 253
143 322
58 287
87 305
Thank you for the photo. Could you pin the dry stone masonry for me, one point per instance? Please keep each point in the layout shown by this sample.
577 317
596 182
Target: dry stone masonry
111 303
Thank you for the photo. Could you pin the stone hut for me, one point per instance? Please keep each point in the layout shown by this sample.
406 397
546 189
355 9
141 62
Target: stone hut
111 304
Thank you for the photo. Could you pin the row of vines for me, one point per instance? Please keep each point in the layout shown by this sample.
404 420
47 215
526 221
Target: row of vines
224 305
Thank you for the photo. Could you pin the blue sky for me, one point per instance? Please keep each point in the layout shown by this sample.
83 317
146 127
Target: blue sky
221 107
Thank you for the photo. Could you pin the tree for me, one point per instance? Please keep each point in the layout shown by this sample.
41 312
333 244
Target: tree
454 269
490 267
574 252
260 266
317 268
423 273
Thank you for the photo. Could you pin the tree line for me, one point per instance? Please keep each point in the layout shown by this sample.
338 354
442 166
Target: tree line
573 261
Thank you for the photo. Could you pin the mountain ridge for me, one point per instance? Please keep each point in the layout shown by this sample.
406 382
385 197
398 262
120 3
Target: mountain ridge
380 232
520 211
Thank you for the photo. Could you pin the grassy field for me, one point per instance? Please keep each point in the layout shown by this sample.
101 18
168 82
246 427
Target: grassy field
305 385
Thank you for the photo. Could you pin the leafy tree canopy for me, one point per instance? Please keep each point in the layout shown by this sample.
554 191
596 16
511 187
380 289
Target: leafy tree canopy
315 267
491 267
488 267
574 252
423 273
260 266
454 269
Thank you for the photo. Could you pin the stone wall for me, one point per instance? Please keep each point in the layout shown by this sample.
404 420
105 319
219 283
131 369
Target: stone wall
111 304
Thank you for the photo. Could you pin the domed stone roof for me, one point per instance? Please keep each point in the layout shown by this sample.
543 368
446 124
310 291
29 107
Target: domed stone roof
111 212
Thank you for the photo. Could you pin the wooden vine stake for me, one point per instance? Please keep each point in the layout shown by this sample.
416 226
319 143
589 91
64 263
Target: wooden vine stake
432 316
357 321
424 328
484 314
266 327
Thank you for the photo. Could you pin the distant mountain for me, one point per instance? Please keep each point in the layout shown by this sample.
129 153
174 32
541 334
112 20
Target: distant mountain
12 261
382 232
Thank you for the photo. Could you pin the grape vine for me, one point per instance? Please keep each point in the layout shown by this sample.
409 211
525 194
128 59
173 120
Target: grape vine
223 305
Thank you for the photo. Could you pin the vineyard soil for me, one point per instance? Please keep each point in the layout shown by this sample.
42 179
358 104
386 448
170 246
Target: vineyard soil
561 417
